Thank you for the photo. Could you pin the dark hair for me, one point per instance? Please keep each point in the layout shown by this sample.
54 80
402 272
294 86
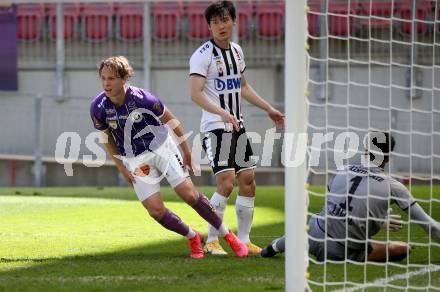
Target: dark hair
220 9
386 147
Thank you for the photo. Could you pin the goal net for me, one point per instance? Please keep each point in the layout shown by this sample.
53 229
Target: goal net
374 65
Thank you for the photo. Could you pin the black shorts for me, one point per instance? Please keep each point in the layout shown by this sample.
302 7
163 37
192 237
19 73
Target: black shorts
228 150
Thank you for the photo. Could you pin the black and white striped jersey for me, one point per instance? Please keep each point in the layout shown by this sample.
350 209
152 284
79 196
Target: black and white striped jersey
222 70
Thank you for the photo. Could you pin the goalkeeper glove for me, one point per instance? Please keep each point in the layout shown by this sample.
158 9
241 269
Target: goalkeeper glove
393 222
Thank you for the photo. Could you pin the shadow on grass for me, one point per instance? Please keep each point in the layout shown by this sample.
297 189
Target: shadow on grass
272 197
164 266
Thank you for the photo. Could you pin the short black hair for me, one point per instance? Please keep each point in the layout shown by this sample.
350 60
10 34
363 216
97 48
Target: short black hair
220 9
386 147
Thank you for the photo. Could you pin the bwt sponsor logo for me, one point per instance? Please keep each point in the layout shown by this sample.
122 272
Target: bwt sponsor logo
229 84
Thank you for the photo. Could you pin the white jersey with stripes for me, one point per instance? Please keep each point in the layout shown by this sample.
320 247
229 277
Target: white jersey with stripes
222 70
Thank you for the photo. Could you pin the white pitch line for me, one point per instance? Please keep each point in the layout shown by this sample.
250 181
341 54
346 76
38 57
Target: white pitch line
384 281
124 278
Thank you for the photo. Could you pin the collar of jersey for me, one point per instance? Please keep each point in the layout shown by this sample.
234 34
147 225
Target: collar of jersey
212 41
125 98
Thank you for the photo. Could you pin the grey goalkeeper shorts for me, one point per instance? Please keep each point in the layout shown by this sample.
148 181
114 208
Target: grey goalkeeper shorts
335 249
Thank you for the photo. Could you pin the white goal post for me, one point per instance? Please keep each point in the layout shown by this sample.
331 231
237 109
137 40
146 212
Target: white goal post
296 123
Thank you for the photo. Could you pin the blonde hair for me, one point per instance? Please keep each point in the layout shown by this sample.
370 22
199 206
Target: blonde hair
119 65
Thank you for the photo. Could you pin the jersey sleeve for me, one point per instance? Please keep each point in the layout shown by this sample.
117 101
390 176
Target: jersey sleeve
401 195
98 117
241 61
199 63
154 104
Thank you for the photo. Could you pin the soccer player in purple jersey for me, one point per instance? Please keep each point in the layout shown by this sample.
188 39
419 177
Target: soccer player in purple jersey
133 124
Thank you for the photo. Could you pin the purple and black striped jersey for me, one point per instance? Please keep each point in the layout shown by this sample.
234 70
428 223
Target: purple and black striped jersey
142 110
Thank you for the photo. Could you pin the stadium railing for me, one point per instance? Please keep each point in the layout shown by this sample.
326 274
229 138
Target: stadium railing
95 30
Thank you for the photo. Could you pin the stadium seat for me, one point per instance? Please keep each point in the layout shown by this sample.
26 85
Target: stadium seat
270 19
197 28
245 10
97 21
71 17
380 12
340 19
167 18
313 17
129 18
30 18
423 9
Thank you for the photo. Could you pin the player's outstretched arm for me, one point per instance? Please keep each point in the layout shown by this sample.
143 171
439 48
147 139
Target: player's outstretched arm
199 97
112 150
252 97
417 213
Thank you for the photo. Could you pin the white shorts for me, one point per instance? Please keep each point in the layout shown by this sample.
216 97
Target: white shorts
150 168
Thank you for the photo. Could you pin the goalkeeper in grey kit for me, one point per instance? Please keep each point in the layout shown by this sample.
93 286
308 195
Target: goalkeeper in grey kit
357 206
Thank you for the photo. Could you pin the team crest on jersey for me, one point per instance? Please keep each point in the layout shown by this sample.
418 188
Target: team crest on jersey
113 124
219 65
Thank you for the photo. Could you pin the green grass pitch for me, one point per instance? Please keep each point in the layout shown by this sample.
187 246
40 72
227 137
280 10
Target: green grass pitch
101 239
89 239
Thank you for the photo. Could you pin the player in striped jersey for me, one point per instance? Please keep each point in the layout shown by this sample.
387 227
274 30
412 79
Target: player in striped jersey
217 86
133 125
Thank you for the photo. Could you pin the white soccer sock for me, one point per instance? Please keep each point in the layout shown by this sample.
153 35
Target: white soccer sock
190 234
223 230
244 208
219 203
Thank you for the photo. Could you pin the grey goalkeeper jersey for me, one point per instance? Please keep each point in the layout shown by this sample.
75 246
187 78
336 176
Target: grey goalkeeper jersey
357 202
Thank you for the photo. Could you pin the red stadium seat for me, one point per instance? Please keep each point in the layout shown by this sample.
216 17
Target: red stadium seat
245 10
340 21
30 19
423 9
71 17
97 21
197 28
167 17
380 12
313 17
270 19
129 18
